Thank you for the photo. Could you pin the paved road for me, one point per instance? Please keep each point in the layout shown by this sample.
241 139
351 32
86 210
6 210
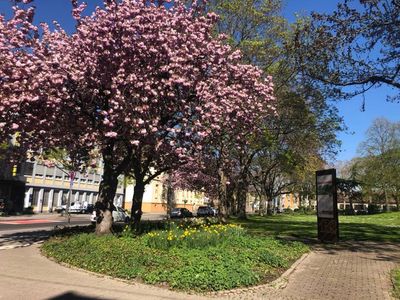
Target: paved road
49 221
23 231
29 225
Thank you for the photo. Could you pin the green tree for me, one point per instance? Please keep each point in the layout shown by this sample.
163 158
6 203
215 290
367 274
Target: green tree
356 45
379 166
306 123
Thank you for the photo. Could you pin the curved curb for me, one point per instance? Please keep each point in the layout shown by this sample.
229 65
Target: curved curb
281 282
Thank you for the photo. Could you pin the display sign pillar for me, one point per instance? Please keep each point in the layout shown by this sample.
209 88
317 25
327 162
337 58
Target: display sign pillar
327 212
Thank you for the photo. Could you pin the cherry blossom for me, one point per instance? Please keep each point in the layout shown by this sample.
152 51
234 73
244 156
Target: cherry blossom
144 85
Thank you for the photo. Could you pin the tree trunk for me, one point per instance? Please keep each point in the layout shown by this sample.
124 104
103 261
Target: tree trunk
230 199
386 201
241 198
222 196
263 204
300 200
270 209
136 210
170 196
104 205
351 205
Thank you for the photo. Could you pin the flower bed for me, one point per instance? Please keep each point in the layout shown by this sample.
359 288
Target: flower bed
197 257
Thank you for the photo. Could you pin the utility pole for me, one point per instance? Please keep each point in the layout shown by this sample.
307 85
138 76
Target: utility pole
71 183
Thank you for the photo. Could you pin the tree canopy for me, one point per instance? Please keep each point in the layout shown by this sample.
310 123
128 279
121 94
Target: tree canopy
143 85
356 45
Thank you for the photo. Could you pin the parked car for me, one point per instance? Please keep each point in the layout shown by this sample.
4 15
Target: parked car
76 207
118 215
205 211
180 213
215 211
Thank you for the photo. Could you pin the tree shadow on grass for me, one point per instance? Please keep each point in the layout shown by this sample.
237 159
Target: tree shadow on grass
352 236
305 229
364 238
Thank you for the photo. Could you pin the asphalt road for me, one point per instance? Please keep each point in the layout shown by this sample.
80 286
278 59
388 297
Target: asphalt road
48 222
42 224
24 231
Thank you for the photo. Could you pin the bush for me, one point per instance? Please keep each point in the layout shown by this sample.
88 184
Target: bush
373 209
306 210
28 211
205 258
287 211
150 225
192 237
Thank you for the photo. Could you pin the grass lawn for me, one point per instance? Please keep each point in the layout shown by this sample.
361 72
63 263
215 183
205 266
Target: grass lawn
396 282
197 258
379 227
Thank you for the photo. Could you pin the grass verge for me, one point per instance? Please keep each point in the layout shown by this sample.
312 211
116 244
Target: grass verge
204 258
396 283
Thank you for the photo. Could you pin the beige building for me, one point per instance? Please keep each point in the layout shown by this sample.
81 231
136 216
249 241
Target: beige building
49 187
155 198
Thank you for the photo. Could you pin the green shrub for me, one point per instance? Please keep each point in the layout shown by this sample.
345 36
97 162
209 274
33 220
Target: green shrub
192 237
200 260
373 209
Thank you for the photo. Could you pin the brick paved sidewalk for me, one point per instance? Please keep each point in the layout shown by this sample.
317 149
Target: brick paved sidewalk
357 270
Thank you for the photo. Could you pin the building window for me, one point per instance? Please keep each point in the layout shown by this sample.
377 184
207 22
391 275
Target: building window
35 197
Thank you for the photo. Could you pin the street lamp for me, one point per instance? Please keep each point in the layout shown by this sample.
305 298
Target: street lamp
71 176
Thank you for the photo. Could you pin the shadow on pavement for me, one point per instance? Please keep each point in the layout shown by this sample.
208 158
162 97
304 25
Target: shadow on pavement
385 251
24 238
73 296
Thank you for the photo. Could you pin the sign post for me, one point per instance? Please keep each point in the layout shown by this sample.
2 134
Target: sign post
328 223
71 183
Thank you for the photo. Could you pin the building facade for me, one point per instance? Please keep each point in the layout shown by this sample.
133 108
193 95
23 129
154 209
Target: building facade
155 197
47 188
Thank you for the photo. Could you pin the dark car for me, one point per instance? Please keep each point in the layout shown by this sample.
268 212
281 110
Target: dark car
181 213
205 211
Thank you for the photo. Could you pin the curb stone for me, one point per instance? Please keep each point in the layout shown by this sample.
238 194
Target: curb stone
282 281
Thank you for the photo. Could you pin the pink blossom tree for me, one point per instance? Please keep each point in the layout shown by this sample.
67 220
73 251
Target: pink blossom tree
141 85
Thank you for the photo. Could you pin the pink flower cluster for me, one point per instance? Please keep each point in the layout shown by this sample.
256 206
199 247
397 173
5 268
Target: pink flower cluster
132 75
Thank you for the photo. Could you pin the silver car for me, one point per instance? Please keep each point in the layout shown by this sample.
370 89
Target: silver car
118 215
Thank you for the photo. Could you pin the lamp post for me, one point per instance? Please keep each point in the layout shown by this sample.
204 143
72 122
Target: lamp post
71 176
71 183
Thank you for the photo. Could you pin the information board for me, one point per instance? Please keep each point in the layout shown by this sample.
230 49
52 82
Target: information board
328 224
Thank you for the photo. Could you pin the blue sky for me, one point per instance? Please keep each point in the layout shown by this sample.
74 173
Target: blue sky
357 121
